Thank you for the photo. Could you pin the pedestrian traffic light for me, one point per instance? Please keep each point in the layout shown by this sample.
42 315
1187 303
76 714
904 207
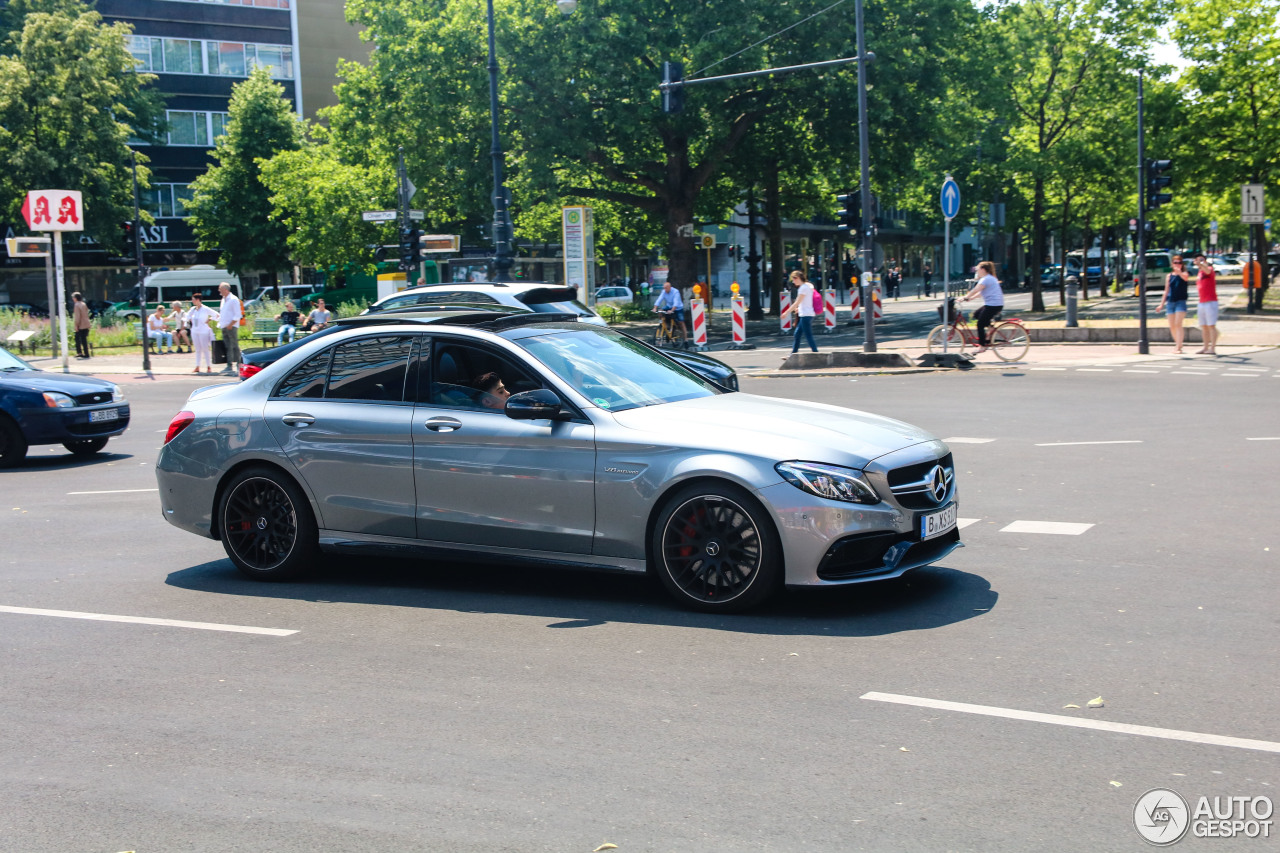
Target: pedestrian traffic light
850 213
1157 179
672 87
408 248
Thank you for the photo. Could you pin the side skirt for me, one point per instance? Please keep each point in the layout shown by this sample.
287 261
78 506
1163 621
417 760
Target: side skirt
357 543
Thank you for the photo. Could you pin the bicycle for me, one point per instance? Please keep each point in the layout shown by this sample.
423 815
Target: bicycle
665 334
1008 339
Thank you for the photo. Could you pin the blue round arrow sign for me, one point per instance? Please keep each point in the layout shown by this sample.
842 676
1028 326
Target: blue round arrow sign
950 198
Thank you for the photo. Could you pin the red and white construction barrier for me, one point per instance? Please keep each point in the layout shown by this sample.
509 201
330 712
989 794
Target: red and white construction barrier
877 307
829 310
785 306
739 322
699 323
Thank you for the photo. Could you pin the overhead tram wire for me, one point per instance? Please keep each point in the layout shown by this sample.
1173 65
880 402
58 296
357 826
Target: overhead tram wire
767 38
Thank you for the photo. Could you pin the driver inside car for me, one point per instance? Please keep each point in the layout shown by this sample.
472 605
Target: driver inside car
494 392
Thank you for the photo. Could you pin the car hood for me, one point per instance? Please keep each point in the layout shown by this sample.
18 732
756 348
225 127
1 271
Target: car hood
778 429
43 380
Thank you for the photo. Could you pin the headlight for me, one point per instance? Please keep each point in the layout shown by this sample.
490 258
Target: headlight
54 400
117 396
828 481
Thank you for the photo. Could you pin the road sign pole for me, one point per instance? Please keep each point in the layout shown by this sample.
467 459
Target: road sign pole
946 286
62 298
864 164
1143 347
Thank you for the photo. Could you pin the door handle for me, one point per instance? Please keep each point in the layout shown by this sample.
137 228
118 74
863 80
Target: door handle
443 424
296 419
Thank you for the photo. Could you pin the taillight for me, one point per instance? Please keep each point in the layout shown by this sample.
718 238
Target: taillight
180 421
247 370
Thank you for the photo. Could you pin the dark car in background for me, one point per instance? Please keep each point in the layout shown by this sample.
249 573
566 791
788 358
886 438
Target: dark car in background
255 361
39 407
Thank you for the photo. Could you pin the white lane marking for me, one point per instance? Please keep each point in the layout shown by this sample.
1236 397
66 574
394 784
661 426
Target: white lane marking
1192 372
960 440
1076 722
962 523
1093 370
1245 375
1059 528
114 492
1048 368
1265 438
146 620
1072 443
1142 371
1247 367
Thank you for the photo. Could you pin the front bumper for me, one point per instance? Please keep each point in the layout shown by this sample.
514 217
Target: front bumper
829 543
55 425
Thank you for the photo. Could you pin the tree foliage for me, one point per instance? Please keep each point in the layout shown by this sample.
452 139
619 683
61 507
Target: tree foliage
231 208
70 99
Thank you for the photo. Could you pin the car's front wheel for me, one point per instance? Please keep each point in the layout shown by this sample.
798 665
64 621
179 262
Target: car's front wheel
715 549
13 447
267 527
85 447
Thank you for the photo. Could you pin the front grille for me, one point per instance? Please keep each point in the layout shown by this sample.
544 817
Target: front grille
908 484
89 430
92 398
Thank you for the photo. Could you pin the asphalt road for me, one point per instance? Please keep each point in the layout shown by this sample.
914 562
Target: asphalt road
483 708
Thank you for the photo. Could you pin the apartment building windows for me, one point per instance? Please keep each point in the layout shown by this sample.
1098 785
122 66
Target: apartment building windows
217 58
165 201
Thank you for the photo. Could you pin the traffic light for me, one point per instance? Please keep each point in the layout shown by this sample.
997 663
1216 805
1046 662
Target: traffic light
408 248
1157 179
850 213
672 96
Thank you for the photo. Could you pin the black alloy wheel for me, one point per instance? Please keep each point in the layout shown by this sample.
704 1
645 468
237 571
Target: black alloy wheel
13 447
85 447
266 525
715 549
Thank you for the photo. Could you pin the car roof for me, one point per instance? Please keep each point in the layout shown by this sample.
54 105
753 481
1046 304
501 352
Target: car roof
485 286
489 317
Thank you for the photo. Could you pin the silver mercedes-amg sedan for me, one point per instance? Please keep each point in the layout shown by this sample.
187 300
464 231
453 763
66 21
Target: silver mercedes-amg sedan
526 437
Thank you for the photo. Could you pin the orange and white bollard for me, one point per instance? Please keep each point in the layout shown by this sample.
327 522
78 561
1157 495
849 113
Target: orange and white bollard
855 303
699 323
739 320
785 305
829 310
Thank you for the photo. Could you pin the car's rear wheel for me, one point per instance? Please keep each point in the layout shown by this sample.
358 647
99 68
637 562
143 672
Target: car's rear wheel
85 447
715 549
267 527
13 447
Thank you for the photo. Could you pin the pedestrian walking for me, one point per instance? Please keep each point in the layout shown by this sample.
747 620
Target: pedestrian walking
1207 305
158 330
80 319
928 281
804 309
198 319
230 318
988 287
1174 301
181 328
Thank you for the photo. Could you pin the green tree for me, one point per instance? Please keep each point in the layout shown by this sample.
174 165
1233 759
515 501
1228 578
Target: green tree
70 98
231 208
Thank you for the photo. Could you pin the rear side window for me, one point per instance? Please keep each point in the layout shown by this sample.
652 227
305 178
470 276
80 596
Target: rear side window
455 297
370 368
307 379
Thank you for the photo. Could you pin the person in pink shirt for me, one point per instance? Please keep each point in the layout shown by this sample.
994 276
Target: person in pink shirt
1207 305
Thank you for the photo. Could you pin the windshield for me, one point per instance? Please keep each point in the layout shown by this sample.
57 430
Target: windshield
571 307
613 371
9 361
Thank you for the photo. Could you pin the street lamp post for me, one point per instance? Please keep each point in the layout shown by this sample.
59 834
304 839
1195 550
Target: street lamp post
503 256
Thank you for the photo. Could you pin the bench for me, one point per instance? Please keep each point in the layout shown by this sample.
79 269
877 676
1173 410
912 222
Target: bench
267 329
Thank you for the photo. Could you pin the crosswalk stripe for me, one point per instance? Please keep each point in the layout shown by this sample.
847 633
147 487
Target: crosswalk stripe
1058 528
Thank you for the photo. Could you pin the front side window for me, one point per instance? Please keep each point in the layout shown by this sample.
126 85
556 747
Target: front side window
372 368
472 377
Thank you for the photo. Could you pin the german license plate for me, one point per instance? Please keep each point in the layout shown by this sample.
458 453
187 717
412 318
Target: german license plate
937 523
104 415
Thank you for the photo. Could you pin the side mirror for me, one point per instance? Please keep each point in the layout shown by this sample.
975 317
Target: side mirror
534 405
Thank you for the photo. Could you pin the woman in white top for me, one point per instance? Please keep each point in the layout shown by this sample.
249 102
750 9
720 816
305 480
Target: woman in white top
804 311
201 332
158 330
992 300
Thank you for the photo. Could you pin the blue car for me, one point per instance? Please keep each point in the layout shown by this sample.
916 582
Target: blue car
38 407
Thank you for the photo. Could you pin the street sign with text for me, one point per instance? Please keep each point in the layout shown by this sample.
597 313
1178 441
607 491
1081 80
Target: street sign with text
432 243
379 216
1253 208
28 247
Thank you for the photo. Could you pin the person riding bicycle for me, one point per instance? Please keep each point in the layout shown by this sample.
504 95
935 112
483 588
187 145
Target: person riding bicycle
988 286
670 306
